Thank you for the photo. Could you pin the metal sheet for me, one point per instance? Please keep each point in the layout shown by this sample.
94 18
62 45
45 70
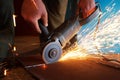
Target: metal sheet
70 70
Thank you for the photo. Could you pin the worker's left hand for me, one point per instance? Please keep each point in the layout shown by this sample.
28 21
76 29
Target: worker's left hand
32 11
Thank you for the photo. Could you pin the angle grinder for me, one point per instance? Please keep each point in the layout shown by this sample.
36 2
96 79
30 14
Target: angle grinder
51 50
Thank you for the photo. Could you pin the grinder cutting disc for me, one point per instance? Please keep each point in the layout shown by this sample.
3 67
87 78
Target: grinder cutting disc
51 52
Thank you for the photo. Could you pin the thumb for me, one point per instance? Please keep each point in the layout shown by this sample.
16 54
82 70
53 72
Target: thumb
45 20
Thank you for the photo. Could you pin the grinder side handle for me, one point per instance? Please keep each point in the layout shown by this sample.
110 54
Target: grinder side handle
44 29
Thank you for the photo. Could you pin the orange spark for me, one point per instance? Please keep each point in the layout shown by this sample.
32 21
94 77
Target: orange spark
74 52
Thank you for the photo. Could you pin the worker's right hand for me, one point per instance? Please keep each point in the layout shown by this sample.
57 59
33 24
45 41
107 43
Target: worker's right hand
32 11
86 7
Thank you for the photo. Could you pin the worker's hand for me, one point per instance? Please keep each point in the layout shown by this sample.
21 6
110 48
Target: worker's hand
86 7
32 11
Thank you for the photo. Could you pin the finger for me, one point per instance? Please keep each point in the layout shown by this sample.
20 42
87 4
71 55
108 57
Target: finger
44 19
36 25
